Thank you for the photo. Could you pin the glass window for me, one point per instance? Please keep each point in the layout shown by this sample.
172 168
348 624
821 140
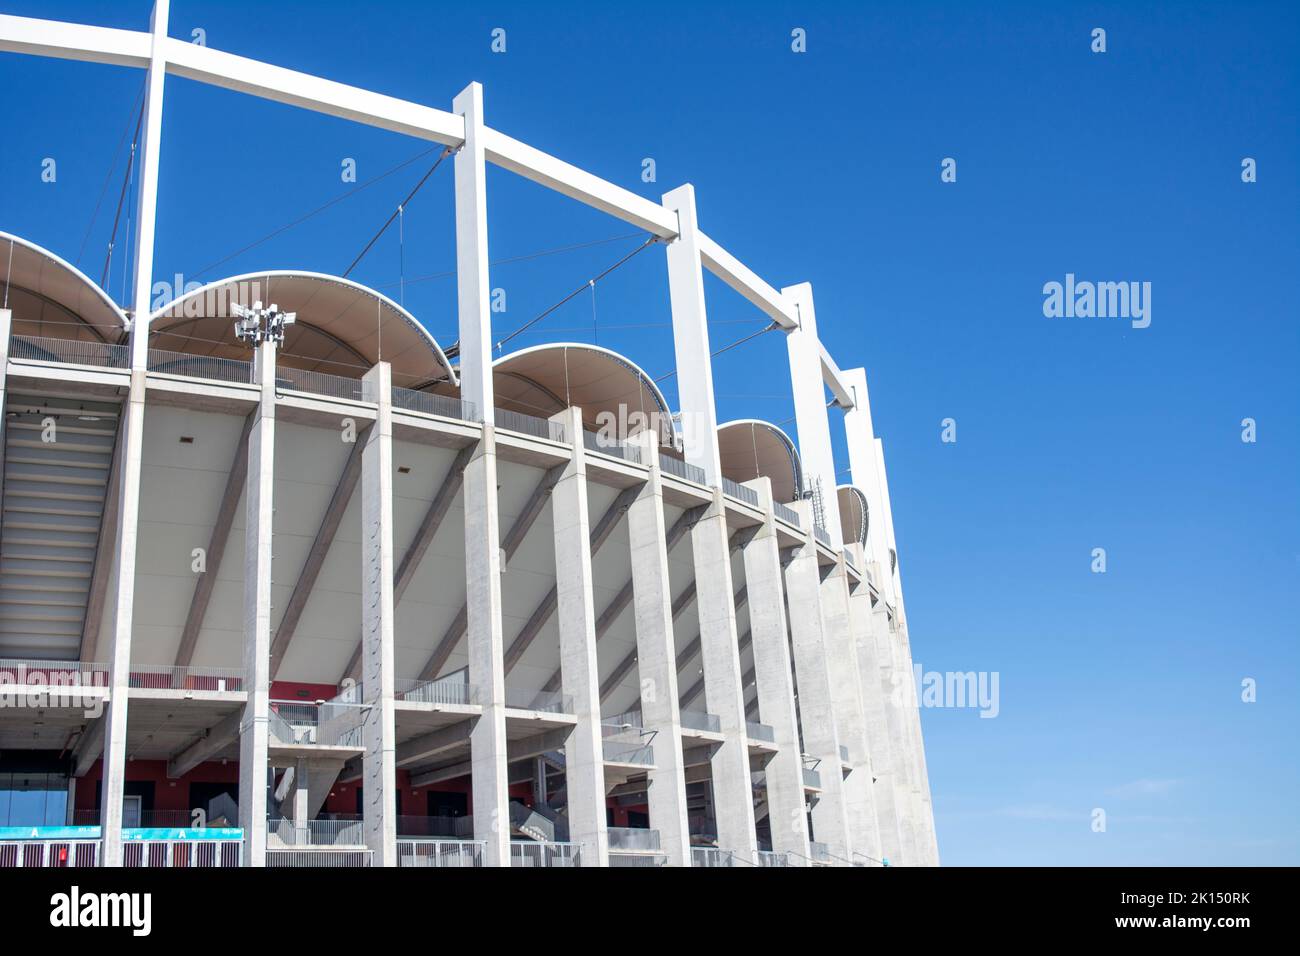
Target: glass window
33 799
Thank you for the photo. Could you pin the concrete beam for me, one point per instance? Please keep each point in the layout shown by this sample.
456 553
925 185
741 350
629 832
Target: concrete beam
207 581
213 742
520 749
532 510
546 607
320 548
424 535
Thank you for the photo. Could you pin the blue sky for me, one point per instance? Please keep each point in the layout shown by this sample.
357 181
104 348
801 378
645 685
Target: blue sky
1118 690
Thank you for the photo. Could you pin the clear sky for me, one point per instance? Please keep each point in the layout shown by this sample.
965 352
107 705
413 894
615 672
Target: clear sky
1119 691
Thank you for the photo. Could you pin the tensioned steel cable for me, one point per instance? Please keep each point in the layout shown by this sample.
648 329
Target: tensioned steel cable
319 209
398 211
727 348
126 182
108 177
650 240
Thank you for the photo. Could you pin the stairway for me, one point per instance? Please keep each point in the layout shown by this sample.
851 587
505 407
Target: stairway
58 458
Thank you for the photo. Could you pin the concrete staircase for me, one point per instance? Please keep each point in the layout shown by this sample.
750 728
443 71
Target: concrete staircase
58 458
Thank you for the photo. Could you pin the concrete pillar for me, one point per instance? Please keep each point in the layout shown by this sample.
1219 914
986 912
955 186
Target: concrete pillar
809 393
733 794
850 723
769 641
488 756
379 767
584 770
258 520
699 417
657 660
472 287
6 328
301 794
928 846
132 447
895 693
482 532
866 462
880 744
816 703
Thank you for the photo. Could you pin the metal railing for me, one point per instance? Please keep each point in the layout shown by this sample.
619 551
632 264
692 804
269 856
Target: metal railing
29 671
757 731
35 348
633 839
441 853
212 367
736 490
529 425
182 853
637 859
698 720
822 535
166 677
411 400
545 701
445 690
681 469
322 383
711 856
435 826
48 853
318 858
332 833
786 514
618 723
334 723
633 752
613 447
768 858
537 854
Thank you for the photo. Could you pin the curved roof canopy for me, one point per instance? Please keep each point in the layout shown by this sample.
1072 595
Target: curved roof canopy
545 379
52 298
342 328
749 448
853 514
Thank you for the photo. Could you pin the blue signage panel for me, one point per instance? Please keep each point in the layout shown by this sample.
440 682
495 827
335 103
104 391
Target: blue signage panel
141 834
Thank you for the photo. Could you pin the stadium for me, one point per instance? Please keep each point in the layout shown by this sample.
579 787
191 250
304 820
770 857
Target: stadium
285 581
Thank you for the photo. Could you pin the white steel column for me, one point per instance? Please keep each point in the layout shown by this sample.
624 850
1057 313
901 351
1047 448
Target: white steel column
846 695
809 391
883 734
258 521
584 770
379 767
699 417
132 448
786 809
656 656
488 756
724 693
812 674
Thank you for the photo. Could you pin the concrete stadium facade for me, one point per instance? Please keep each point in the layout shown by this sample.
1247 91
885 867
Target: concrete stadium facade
338 599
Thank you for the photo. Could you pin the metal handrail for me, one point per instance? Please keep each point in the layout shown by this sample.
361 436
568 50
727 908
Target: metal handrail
36 348
452 689
545 701
698 720
413 400
737 490
529 424
681 469
786 514
292 379
441 853
214 367
759 731
633 839
614 447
